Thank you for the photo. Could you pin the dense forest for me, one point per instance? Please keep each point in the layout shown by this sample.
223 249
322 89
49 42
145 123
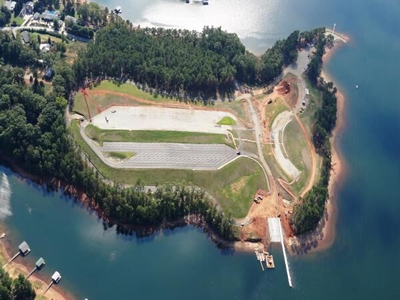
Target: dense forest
184 62
310 211
15 289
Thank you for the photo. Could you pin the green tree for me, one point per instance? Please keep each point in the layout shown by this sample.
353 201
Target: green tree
22 289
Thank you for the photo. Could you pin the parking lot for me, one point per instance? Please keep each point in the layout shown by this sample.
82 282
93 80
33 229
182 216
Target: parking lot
172 155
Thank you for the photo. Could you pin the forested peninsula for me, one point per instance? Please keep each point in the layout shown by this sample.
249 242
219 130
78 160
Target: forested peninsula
184 64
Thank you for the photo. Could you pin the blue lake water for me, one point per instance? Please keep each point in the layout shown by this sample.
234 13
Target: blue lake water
363 263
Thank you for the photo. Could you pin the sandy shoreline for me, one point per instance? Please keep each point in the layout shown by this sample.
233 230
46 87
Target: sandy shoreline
15 268
339 169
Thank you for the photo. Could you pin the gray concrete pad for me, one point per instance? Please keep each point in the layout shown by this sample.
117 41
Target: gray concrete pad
172 155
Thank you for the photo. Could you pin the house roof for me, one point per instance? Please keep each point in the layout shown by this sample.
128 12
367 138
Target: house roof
40 263
25 36
10 5
24 247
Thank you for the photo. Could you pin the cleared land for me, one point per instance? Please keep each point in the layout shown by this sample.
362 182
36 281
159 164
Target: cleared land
152 136
217 183
299 154
273 110
161 118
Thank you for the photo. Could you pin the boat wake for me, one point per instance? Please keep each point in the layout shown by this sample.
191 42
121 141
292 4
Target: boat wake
5 197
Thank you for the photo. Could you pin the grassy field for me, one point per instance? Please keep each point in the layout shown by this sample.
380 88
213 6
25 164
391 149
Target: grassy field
44 38
273 164
120 155
233 186
18 20
299 155
130 90
274 109
72 50
237 106
227 121
102 102
153 136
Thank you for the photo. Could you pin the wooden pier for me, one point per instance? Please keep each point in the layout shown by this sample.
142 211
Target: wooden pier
39 264
23 249
54 279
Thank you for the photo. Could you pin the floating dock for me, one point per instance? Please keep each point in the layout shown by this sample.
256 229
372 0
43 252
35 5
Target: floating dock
54 279
39 264
23 249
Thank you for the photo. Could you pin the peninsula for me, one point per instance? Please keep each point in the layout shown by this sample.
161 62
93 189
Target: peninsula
156 128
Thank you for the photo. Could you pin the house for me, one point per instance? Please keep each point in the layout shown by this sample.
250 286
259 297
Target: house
56 277
24 248
27 9
44 47
50 16
48 74
25 37
40 263
70 19
10 5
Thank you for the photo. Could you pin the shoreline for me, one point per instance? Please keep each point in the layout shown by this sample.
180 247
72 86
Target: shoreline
338 163
15 268
323 237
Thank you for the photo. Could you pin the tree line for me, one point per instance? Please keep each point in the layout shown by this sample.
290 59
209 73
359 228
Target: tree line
310 211
15 289
182 62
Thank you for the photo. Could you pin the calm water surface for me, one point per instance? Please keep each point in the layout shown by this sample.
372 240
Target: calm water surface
183 264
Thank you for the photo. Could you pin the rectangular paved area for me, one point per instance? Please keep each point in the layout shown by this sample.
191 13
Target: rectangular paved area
161 118
172 155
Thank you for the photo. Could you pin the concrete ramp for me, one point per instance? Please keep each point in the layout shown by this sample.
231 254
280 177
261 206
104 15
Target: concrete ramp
274 230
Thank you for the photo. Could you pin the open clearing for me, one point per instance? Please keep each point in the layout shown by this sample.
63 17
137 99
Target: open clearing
214 182
299 153
153 136
162 118
277 133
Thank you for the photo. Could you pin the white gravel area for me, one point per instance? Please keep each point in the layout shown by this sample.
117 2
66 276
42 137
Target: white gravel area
161 118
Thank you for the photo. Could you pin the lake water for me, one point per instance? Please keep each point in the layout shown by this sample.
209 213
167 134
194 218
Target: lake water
363 263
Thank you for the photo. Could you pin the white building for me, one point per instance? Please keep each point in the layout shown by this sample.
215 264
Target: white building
10 5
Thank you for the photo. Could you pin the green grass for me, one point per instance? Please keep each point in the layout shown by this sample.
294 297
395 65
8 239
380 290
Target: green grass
72 50
120 155
102 102
274 109
236 106
130 90
218 183
44 38
154 136
297 149
18 20
227 121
